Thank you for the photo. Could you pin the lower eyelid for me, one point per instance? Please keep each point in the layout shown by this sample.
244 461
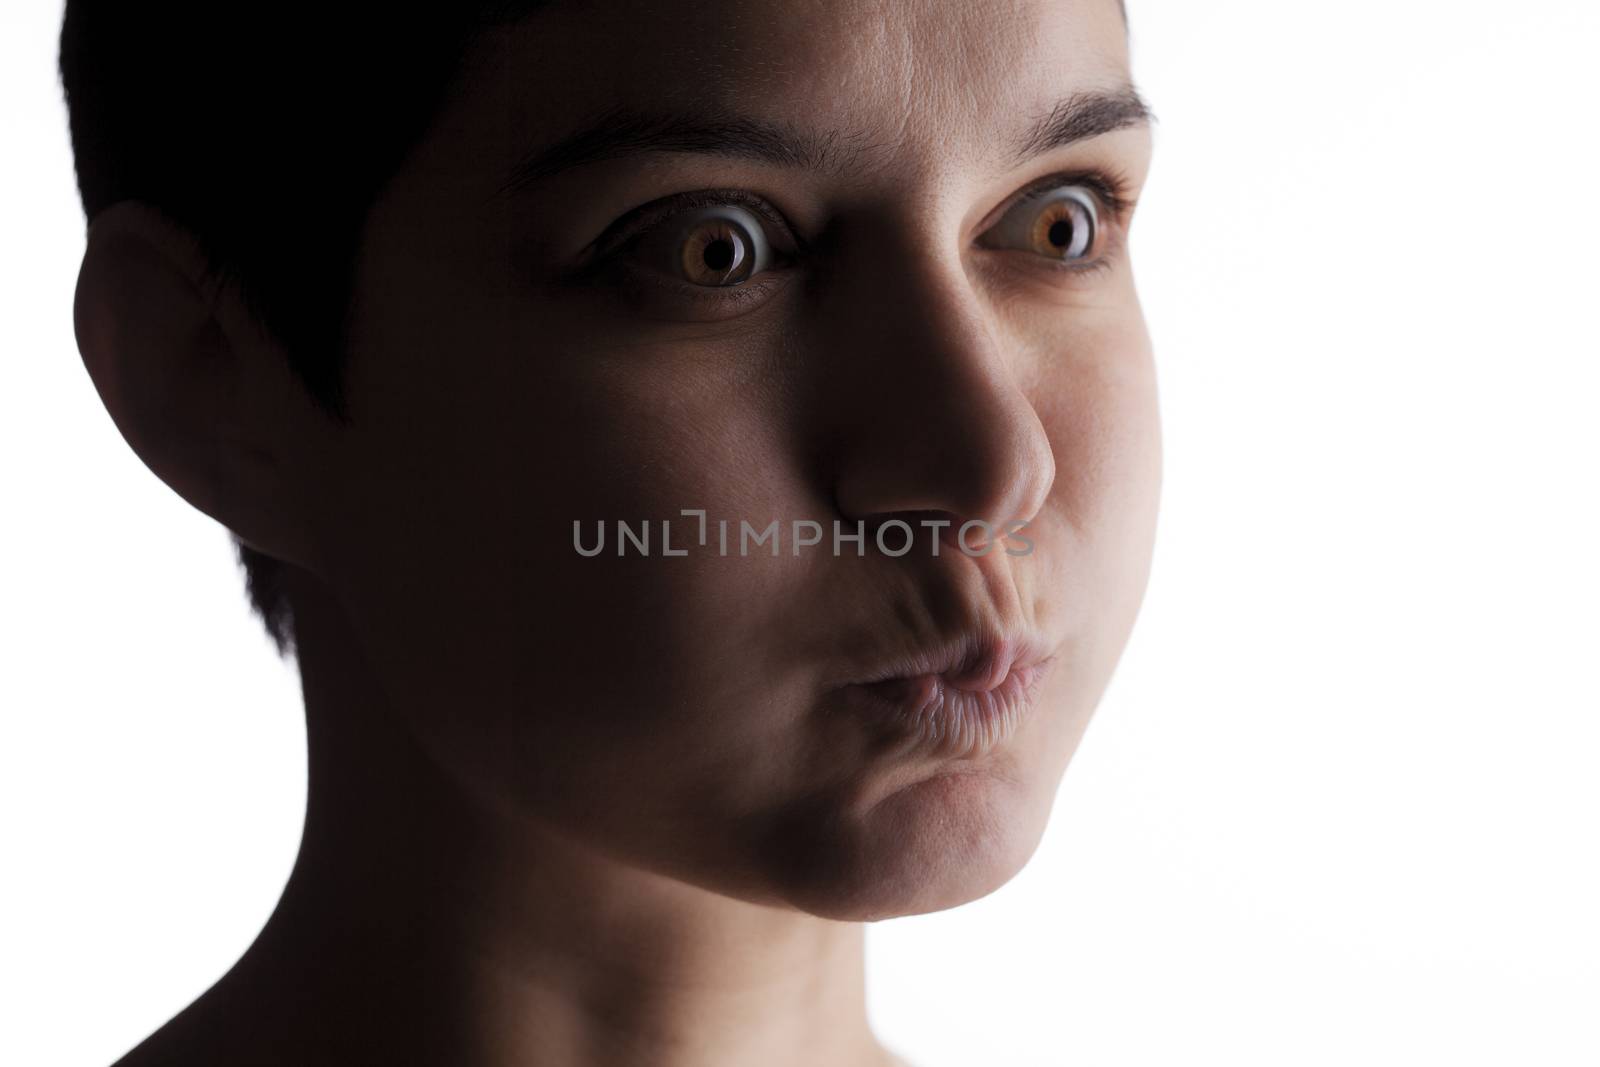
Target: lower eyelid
1059 266
641 285
1010 267
1089 266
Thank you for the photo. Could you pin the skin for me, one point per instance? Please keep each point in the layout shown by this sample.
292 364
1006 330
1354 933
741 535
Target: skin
609 811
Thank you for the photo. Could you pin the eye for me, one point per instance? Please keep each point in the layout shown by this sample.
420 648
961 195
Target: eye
701 256
714 246
1060 223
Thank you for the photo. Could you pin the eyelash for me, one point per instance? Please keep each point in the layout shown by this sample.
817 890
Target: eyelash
1109 187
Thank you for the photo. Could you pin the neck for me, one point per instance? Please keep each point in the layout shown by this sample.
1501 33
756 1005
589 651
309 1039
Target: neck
419 927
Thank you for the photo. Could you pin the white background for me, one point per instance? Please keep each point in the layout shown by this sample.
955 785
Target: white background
1339 805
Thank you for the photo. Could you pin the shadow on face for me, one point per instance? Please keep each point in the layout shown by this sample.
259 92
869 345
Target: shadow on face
831 263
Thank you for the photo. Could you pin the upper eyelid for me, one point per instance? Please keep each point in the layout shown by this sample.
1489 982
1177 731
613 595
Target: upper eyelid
1110 191
647 216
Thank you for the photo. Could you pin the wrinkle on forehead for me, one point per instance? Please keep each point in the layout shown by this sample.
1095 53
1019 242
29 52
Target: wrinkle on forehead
913 81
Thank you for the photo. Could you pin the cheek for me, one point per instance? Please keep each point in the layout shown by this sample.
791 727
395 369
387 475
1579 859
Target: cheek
1096 536
1101 411
642 675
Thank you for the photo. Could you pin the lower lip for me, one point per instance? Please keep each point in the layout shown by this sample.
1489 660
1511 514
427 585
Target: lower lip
950 722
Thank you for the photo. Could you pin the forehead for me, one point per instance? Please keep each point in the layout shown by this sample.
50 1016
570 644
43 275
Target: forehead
889 77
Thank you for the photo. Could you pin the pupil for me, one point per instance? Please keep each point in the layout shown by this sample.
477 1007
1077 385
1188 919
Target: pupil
1061 234
719 254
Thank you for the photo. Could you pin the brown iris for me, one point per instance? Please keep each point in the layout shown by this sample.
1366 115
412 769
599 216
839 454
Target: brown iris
1063 229
716 252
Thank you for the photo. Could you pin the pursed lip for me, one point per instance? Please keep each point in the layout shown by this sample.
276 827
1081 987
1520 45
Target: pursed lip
975 662
959 698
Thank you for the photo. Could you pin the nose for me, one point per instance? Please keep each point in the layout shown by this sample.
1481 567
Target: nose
934 417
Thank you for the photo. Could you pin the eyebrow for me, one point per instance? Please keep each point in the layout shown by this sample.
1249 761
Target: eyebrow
622 132
1082 116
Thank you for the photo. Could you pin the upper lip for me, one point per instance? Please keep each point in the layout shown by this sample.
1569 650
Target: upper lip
975 661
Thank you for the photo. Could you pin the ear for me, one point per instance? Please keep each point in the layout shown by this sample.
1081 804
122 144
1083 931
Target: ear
197 389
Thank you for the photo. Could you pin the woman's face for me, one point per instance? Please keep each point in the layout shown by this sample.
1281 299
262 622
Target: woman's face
858 317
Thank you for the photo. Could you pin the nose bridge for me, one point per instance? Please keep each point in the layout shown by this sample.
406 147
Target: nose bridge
938 419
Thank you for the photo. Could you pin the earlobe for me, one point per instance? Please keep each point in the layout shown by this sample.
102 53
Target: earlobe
182 381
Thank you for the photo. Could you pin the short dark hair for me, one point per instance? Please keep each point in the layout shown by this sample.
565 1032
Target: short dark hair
267 131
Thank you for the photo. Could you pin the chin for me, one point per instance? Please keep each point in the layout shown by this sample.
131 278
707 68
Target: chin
946 838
